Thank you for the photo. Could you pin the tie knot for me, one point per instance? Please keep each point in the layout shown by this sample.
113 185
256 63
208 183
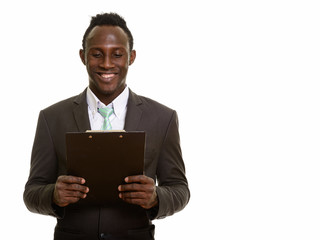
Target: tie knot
105 112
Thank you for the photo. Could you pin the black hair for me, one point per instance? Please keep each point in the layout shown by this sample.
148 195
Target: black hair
108 19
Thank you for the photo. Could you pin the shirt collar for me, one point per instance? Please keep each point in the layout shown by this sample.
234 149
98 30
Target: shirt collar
119 104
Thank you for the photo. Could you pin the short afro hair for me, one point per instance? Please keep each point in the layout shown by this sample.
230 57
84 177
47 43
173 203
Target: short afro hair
108 19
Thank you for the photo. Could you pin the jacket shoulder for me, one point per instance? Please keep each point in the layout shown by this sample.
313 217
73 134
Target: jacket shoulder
150 104
66 104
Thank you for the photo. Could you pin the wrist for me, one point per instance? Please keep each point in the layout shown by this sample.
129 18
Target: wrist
155 201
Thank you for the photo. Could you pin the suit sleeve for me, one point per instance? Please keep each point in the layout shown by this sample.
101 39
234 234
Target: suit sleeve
38 194
172 190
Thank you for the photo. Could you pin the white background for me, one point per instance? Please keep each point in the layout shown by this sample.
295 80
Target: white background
243 77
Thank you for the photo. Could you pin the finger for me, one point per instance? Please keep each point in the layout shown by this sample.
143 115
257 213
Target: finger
147 188
131 187
64 198
133 195
71 179
138 179
144 199
62 186
76 187
74 194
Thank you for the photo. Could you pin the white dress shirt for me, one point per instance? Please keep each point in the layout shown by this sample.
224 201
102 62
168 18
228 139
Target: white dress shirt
118 116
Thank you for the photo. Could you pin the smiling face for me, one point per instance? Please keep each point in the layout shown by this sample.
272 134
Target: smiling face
107 58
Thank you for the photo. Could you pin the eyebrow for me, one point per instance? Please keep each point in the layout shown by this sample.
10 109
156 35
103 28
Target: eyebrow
116 47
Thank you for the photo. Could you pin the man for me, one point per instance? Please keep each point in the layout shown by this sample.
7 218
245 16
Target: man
107 54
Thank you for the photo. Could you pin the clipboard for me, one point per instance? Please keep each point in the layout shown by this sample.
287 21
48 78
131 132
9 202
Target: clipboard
104 159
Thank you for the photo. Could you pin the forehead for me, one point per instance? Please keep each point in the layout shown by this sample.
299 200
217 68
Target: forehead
107 35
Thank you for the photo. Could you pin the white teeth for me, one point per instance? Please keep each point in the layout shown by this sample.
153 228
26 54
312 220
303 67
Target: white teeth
110 75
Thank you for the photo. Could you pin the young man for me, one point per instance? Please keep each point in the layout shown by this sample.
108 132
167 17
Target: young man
107 54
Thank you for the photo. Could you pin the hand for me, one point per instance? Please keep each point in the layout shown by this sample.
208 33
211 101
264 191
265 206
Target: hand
69 189
140 190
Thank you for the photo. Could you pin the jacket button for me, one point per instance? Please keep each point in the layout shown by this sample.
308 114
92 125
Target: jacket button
105 236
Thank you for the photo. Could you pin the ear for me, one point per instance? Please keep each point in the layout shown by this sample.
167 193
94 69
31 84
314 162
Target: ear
82 56
132 56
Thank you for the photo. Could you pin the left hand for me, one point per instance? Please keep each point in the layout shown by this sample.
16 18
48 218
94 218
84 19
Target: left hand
139 190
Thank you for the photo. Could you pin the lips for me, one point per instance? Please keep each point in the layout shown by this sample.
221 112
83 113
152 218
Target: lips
107 76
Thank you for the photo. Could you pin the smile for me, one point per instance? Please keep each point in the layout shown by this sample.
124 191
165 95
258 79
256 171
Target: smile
107 76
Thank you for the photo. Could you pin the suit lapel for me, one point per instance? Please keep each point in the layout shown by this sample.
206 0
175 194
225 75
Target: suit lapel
80 112
134 112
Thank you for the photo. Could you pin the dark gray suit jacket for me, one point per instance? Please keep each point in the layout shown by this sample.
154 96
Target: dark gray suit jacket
163 163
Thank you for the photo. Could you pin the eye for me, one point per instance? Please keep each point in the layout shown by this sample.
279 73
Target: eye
96 55
118 55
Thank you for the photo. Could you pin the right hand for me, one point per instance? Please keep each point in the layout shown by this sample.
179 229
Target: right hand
69 189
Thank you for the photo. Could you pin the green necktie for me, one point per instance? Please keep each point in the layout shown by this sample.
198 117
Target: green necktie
106 113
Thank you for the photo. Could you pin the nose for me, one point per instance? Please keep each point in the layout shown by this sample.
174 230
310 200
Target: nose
107 62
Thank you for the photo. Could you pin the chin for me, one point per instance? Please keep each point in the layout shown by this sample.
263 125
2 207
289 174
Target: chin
111 90
107 92
106 89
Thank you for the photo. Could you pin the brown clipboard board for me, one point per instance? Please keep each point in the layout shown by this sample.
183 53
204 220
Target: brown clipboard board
104 159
